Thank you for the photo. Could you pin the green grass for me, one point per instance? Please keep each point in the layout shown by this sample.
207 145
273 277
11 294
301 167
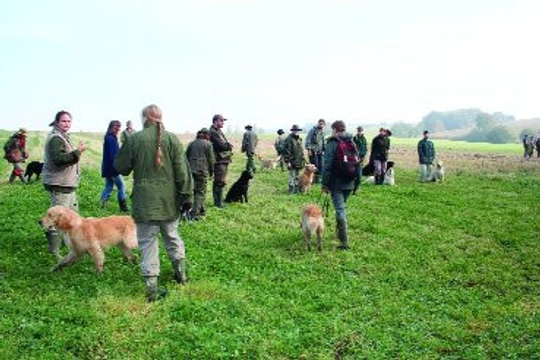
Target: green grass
446 270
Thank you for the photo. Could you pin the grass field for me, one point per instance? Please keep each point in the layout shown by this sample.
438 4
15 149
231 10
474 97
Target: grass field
446 270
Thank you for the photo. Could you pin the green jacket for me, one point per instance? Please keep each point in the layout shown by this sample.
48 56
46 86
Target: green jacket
315 140
293 152
158 193
60 162
200 155
222 148
361 145
249 142
329 179
379 148
426 152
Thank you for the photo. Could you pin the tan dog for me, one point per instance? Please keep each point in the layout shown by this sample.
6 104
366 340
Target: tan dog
269 164
306 178
92 235
312 224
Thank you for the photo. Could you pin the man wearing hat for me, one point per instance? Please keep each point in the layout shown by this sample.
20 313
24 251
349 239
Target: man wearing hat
200 155
15 154
249 144
127 132
315 147
293 155
222 154
361 144
278 145
426 156
380 145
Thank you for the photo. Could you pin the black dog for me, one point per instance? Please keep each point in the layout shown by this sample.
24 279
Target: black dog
33 168
238 192
369 169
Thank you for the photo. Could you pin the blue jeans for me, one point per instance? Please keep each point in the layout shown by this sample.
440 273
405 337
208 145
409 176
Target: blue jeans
339 198
109 185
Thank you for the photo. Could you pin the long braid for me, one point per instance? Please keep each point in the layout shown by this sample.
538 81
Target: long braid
152 113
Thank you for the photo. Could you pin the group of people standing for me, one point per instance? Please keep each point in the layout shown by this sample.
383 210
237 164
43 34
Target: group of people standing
529 144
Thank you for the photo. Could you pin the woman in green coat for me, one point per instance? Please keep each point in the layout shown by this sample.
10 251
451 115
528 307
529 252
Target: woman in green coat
162 189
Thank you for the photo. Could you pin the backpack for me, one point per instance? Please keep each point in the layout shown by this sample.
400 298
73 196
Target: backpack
347 160
11 153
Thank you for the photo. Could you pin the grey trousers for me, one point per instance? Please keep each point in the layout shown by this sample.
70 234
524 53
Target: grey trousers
147 235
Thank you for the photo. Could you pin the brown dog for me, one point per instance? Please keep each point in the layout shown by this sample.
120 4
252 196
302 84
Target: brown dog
269 164
306 178
312 224
92 235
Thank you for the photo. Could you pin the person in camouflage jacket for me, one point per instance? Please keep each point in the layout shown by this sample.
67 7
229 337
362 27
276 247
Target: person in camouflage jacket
249 144
200 155
293 155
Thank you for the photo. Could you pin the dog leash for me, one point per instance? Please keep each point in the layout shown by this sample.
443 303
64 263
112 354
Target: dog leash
324 200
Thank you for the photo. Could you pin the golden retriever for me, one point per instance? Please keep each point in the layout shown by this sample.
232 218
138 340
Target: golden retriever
92 235
312 224
306 178
269 164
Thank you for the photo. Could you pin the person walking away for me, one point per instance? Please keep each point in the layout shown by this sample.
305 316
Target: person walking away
162 190
360 141
380 145
336 182
249 145
223 157
61 172
426 156
278 145
15 153
112 177
315 147
293 155
200 155
127 132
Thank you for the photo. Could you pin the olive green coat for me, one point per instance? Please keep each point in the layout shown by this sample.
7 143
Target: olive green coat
158 193
293 153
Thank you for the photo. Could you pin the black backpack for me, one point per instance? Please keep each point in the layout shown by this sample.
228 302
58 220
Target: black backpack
347 160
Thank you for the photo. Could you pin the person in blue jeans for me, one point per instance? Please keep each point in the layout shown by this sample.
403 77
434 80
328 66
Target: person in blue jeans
112 177
339 188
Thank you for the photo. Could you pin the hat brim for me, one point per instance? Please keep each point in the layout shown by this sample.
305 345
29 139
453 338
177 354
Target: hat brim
295 130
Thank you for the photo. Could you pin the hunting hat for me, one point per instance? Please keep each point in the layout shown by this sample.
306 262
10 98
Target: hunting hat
295 128
204 131
425 132
22 131
217 117
360 129
248 127
280 132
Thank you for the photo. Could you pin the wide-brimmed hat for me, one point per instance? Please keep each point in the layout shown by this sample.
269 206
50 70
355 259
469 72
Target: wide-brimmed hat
295 128
22 131
217 117
280 132
360 129
248 127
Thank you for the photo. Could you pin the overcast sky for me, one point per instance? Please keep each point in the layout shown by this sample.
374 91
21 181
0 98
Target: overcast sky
268 63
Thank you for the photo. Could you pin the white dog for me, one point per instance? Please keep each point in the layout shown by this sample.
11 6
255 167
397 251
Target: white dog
437 173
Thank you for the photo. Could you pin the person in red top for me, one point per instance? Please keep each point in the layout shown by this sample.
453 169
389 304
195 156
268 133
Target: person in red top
15 153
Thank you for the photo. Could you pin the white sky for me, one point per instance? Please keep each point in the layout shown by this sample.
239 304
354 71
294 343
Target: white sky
270 63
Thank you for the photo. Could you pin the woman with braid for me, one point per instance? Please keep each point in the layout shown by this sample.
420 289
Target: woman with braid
162 190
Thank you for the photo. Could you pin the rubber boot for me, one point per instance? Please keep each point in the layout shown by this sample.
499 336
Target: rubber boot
153 293
179 267
218 196
54 240
123 205
291 189
342 234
